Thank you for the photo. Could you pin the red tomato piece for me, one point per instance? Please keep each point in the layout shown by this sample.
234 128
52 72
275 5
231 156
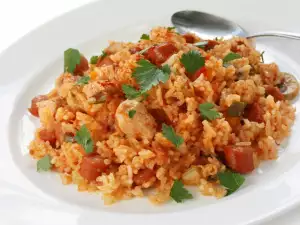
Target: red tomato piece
91 167
34 110
159 54
255 113
189 38
198 73
211 44
104 61
240 158
275 92
82 66
135 50
50 136
143 176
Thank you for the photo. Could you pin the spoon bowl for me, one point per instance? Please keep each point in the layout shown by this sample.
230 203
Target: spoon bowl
209 26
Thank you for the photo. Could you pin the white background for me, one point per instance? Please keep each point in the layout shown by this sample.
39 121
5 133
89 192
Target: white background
18 17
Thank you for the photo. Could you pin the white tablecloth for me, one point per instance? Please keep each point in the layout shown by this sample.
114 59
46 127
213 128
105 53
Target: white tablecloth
18 17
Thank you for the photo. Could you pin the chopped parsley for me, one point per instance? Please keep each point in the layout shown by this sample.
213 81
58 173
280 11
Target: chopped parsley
231 56
178 193
71 59
201 44
262 57
192 61
83 80
103 55
236 109
94 59
170 28
231 181
208 112
148 75
131 113
44 164
170 134
130 92
145 37
83 137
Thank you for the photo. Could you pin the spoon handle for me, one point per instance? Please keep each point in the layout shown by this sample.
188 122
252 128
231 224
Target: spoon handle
276 34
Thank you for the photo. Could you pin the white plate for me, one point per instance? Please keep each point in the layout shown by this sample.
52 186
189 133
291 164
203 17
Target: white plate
29 68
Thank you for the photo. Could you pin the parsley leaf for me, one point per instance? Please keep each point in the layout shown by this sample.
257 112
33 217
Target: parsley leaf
201 44
44 164
103 55
170 28
179 193
170 134
94 59
192 61
131 113
148 75
262 57
71 59
231 56
83 80
130 92
231 181
208 112
83 137
145 37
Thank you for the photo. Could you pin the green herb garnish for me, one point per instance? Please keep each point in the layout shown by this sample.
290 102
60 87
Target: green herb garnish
94 59
192 61
231 181
131 113
170 28
71 59
208 112
83 80
236 109
103 55
83 137
231 56
130 92
262 57
148 75
145 37
44 164
170 134
179 193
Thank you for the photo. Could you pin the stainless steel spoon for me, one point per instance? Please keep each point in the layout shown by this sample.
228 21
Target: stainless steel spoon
209 26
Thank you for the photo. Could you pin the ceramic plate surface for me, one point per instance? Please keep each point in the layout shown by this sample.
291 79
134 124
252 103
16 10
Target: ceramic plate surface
30 66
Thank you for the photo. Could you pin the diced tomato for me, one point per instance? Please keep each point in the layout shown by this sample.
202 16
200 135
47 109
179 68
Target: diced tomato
275 92
159 54
198 73
104 61
91 167
34 110
254 112
46 135
240 158
211 44
189 38
135 50
82 66
143 176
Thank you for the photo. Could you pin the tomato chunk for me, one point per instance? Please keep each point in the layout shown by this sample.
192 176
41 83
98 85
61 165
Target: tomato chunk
82 66
46 135
198 73
143 176
189 38
240 158
211 44
34 110
135 50
104 61
275 92
255 113
159 54
91 167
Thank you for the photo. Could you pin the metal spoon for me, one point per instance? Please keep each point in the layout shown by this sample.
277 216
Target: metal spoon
209 26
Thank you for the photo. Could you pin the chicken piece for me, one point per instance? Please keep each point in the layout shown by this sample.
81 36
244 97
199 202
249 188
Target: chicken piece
270 74
95 88
141 125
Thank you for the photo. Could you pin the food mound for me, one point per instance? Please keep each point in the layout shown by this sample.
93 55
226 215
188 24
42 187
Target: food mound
166 112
